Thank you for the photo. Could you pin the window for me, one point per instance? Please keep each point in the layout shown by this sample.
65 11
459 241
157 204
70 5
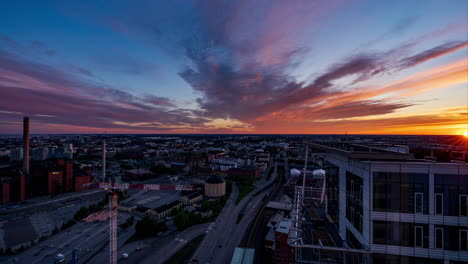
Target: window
351 212
418 203
439 238
463 240
379 232
352 188
418 236
439 204
463 205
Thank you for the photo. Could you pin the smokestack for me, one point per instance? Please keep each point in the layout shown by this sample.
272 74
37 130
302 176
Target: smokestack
104 161
26 145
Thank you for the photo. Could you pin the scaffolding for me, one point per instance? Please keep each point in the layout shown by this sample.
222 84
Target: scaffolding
323 248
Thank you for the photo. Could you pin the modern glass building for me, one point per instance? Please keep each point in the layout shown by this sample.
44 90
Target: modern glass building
400 209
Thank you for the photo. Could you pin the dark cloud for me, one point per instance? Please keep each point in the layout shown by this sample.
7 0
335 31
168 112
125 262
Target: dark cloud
349 109
50 52
84 71
71 101
158 101
433 53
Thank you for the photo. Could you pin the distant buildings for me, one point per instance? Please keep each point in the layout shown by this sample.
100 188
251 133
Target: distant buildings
52 178
16 154
246 173
41 153
222 165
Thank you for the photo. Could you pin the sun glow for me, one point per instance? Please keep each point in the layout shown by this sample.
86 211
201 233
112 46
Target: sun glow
465 133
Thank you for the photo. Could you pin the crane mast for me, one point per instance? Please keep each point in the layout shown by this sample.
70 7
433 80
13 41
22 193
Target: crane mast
113 227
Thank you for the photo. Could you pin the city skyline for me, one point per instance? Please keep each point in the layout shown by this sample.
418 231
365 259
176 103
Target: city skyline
254 67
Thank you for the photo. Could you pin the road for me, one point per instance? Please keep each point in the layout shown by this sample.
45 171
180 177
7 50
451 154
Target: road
87 238
218 245
168 246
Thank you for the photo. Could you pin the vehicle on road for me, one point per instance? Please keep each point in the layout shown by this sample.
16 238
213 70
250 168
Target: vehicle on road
125 255
60 258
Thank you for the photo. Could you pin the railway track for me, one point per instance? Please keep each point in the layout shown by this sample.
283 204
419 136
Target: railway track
248 241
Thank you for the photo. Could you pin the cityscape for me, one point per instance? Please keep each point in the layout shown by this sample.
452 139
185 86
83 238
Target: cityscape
242 132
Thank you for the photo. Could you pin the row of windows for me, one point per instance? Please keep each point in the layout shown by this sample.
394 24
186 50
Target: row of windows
417 235
402 193
409 193
438 204
462 204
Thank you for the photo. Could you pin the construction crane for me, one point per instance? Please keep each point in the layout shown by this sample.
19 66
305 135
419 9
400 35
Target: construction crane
113 205
113 187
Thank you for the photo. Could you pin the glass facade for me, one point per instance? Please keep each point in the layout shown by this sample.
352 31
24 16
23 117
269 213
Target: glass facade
451 237
401 234
454 190
333 193
396 259
401 192
354 209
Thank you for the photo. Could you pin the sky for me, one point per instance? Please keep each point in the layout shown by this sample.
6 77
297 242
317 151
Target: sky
246 66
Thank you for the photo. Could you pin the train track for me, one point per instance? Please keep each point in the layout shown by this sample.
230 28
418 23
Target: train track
248 240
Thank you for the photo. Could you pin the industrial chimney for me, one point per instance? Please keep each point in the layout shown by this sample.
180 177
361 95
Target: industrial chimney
26 145
104 161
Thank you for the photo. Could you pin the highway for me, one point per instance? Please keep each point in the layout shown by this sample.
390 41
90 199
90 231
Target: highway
168 246
87 238
218 245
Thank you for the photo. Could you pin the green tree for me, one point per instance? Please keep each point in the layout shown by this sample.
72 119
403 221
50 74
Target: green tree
181 220
147 227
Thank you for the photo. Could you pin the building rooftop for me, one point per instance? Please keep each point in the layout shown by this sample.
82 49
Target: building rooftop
214 179
361 151
270 235
284 226
278 205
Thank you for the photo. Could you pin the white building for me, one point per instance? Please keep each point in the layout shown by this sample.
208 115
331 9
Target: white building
16 154
40 153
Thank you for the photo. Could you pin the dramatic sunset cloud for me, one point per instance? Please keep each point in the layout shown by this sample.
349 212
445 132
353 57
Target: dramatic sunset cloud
235 67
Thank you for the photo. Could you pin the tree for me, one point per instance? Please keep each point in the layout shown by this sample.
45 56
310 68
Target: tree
181 220
147 227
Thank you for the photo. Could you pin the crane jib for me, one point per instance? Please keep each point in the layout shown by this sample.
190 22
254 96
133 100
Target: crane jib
154 187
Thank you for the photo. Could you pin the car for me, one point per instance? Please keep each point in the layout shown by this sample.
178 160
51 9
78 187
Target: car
138 248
